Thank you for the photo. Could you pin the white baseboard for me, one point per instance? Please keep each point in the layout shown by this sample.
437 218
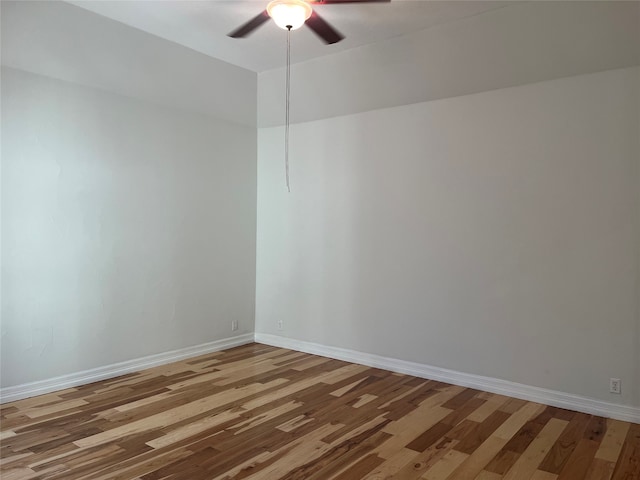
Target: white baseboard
489 384
18 392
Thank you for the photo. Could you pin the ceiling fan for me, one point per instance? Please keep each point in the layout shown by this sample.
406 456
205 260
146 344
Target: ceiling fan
292 14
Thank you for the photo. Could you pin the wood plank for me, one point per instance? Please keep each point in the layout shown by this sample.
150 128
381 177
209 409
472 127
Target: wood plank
528 462
160 420
482 455
389 467
423 461
613 440
479 434
628 465
493 403
566 443
502 462
485 475
579 461
600 469
542 475
360 468
445 466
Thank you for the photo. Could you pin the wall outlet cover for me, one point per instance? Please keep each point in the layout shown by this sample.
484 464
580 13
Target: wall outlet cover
615 385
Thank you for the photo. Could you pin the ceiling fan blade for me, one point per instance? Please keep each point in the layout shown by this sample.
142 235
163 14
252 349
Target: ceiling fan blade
328 2
250 26
321 28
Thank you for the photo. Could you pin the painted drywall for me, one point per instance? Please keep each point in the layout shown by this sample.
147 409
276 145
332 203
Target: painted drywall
62 41
128 228
496 234
523 43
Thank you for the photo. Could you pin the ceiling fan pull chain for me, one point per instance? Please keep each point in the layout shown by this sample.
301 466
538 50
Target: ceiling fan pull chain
287 103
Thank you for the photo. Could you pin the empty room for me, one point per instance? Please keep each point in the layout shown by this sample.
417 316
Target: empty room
320 239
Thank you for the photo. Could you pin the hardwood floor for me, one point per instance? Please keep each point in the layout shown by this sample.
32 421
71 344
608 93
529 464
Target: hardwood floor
261 412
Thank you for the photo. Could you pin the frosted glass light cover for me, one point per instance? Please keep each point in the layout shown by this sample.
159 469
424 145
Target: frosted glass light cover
289 13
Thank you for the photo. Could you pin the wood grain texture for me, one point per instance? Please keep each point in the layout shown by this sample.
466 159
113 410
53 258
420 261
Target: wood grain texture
260 412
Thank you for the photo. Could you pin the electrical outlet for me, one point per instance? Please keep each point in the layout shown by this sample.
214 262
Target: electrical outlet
615 385
280 325
234 325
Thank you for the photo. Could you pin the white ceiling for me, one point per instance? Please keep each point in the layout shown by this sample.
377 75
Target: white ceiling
203 25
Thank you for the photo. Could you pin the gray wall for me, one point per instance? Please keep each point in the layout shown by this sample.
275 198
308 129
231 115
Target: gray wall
496 233
128 228
128 194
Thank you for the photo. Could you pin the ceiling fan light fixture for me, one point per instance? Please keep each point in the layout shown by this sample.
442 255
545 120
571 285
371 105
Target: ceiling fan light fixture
289 14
